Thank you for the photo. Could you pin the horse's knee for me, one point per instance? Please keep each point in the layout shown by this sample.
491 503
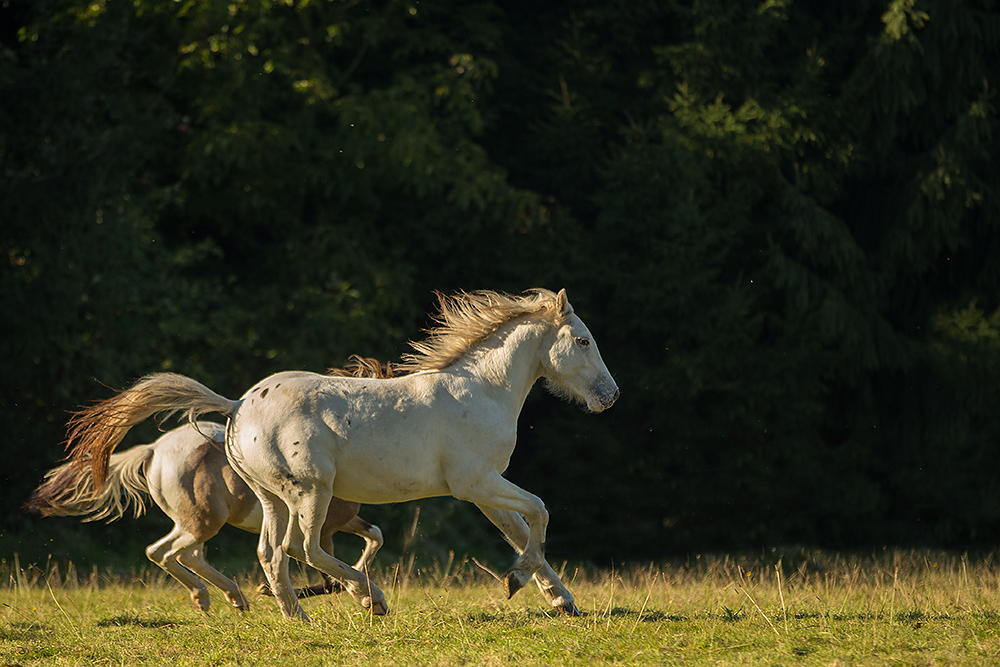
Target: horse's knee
542 514
538 515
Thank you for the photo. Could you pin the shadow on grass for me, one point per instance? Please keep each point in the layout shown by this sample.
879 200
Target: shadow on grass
511 618
646 616
134 620
910 616
21 631
525 617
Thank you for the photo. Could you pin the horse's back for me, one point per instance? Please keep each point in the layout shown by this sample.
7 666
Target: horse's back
378 440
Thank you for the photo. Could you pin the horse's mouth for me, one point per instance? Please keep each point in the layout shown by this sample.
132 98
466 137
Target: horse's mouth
602 397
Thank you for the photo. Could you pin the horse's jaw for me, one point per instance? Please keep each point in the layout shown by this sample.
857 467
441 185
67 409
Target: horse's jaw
600 396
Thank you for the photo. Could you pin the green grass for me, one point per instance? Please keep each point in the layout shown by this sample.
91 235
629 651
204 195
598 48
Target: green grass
893 608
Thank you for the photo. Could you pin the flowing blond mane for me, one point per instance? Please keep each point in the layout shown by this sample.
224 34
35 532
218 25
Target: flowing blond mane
366 367
466 318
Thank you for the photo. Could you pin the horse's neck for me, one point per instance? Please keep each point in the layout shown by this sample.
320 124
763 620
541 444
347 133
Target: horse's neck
508 361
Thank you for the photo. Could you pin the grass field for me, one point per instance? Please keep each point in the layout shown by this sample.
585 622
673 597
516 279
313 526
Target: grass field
890 608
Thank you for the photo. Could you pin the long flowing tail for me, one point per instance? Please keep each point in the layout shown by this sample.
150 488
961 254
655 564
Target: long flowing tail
94 432
69 489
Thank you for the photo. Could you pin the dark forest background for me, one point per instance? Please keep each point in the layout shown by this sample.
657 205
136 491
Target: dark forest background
779 218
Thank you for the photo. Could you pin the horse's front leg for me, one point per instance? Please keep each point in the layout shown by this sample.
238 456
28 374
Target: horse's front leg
514 528
495 492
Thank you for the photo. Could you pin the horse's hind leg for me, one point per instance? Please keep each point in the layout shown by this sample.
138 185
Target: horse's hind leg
515 529
164 553
329 585
342 516
272 556
194 560
338 515
303 542
372 536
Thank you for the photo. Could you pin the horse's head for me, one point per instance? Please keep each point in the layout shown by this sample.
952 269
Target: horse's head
572 364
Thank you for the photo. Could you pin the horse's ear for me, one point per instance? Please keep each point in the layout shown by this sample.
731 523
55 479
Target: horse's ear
562 303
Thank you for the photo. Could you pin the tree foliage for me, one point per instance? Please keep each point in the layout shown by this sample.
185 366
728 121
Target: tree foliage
780 220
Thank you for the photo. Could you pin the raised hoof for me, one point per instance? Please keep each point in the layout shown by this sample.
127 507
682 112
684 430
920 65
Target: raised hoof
512 584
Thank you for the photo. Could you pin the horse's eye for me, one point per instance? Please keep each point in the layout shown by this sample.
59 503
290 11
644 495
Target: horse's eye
582 342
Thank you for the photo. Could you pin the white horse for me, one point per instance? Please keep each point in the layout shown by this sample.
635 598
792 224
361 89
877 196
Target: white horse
447 428
186 474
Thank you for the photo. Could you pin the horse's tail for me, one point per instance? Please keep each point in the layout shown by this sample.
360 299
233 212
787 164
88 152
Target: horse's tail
94 432
69 489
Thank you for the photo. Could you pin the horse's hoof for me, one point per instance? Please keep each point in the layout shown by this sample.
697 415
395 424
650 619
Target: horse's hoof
567 607
241 603
512 584
201 601
379 608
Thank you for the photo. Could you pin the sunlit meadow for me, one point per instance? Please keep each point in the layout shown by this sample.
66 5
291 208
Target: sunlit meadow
806 608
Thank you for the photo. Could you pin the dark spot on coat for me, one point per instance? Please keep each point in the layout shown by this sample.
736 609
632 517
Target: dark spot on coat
348 421
263 394
295 443
277 385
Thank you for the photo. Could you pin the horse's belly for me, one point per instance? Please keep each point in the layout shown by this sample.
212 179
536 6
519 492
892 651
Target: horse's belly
378 482
252 521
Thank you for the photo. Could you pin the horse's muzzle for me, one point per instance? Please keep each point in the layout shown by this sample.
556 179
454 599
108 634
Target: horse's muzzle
602 396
